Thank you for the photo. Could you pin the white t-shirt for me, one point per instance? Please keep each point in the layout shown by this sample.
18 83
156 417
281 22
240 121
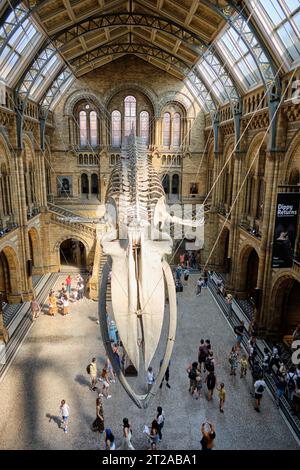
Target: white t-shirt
65 410
161 418
150 378
257 384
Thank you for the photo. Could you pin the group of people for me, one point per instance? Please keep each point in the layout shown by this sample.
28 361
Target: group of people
205 365
106 378
64 296
188 259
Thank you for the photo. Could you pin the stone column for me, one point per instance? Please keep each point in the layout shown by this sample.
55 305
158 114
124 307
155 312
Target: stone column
264 280
235 217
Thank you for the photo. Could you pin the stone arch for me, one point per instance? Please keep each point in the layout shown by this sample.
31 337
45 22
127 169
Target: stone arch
134 86
35 250
9 271
180 98
282 285
245 284
258 140
292 157
80 95
68 235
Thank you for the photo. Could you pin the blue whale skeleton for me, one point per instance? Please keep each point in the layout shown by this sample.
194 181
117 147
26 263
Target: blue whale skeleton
136 245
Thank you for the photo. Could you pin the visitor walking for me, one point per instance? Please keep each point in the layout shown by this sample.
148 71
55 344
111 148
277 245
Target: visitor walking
244 366
80 290
160 418
266 360
127 434
109 440
35 309
233 360
259 388
291 378
110 370
202 354
222 396
193 372
92 371
198 389
150 378
178 273
98 424
209 364
275 357
105 384
239 331
153 435
66 308
68 284
52 304
205 279
281 387
186 274
229 303
199 286
210 383
208 436
65 412
166 376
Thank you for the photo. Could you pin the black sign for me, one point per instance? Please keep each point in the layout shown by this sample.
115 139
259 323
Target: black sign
285 229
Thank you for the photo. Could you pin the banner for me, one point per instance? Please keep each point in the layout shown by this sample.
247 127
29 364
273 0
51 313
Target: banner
285 229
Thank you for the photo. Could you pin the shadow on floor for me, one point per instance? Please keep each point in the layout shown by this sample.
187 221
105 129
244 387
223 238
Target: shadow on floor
54 418
82 380
94 319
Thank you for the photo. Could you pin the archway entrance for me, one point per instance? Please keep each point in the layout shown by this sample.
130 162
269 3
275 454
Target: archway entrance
72 254
5 286
84 184
95 185
286 302
9 273
251 273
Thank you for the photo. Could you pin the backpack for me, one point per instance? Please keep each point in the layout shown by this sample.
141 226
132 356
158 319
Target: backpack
192 374
88 369
209 365
291 382
260 389
256 370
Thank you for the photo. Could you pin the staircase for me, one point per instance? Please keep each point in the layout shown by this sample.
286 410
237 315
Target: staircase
108 290
58 217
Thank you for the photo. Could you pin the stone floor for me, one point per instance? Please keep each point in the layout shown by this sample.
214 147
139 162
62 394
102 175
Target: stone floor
51 365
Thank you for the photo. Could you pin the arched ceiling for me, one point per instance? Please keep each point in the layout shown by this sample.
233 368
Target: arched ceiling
218 46
170 34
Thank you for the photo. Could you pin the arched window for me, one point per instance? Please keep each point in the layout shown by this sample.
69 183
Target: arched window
166 183
116 130
95 189
176 130
88 126
167 130
144 127
129 115
83 128
93 129
84 184
175 184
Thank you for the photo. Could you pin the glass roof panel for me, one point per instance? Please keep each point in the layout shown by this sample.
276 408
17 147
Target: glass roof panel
280 20
19 46
236 55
